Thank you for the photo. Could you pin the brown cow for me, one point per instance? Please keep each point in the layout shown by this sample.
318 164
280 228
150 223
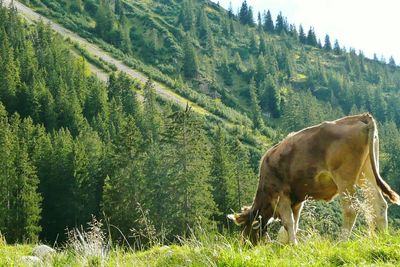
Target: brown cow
318 162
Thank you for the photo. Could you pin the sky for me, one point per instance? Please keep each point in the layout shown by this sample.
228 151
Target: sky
367 25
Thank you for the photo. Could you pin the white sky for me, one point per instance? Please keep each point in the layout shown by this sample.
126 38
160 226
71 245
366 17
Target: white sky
371 26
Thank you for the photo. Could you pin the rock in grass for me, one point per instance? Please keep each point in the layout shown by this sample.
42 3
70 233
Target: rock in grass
31 260
42 251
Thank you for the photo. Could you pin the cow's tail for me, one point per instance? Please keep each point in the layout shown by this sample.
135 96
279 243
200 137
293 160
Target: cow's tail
374 157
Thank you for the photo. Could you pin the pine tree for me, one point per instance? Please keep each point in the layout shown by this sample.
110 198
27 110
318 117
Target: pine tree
225 27
104 19
203 27
263 46
26 210
154 167
255 106
311 37
260 28
122 88
268 22
336 48
250 17
187 158
319 44
348 65
123 188
238 63
392 62
125 42
280 25
57 183
379 106
222 175
253 47
190 62
119 9
90 169
302 35
230 11
327 43
293 31
244 176
261 69
10 76
271 99
7 170
152 119
226 71
186 16
243 13
76 6
96 102
29 65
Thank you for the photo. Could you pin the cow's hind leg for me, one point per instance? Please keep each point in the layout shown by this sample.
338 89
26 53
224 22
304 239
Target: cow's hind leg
348 211
374 197
285 212
345 182
345 178
296 214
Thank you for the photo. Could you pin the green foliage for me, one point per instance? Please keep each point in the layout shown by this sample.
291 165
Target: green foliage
188 159
104 19
327 44
246 14
123 188
255 106
302 35
281 25
268 22
311 37
304 109
271 97
222 175
186 16
21 202
190 61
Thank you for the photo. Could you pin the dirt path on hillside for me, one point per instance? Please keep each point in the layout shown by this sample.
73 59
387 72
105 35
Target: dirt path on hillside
93 49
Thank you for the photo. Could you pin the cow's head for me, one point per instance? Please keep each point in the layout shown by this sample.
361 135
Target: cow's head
253 226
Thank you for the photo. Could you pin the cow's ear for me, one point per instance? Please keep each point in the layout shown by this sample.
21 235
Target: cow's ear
236 218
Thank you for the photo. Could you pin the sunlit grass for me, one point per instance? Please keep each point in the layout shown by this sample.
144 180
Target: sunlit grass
217 250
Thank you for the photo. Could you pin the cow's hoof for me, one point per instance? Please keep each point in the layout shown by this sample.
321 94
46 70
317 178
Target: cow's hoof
283 236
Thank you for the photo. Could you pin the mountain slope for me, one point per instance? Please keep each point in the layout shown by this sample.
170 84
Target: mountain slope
157 37
99 53
218 110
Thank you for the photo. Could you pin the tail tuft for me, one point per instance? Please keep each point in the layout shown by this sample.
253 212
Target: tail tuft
394 197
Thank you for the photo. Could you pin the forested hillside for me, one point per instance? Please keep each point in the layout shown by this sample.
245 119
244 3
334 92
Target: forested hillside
73 146
235 60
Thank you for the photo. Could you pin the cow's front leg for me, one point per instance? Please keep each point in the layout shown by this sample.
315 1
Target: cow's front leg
285 212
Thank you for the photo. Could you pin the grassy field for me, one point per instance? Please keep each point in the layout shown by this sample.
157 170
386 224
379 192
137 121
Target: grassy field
313 250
